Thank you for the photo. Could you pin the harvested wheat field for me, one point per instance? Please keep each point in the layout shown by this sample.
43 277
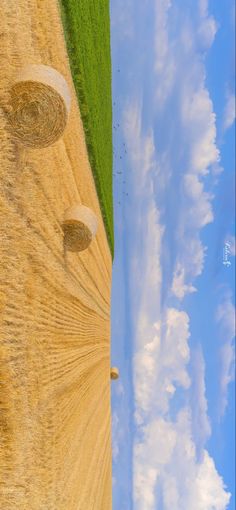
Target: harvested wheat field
55 451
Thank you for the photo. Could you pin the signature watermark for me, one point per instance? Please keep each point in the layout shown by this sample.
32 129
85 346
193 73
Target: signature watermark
226 254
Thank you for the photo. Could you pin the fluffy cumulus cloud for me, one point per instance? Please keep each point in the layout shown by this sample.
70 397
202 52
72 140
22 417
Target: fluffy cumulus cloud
160 363
172 468
179 286
158 441
229 113
201 426
207 26
225 317
186 116
183 141
150 272
141 145
199 121
147 230
199 128
169 126
166 469
200 212
164 63
118 426
115 441
122 17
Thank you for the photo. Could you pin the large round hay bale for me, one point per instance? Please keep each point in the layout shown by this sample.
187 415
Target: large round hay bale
40 104
114 373
79 226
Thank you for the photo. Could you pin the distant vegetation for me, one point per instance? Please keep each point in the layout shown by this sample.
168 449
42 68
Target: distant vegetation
87 33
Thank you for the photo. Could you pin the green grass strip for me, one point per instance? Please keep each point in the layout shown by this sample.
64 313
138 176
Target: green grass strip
87 33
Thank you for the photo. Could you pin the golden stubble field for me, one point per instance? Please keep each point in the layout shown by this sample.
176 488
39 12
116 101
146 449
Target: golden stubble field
55 426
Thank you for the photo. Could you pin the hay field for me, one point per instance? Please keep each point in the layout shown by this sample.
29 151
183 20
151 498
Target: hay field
55 427
87 33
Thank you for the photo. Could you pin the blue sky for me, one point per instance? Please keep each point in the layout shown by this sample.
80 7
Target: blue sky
173 301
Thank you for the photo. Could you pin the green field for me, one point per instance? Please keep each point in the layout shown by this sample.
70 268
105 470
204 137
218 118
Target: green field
87 33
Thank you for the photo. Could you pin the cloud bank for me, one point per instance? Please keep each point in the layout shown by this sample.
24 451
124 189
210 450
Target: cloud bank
169 127
167 471
172 150
225 317
229 113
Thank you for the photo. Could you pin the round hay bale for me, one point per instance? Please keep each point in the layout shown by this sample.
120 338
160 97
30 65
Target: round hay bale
40 104
114 373
79 226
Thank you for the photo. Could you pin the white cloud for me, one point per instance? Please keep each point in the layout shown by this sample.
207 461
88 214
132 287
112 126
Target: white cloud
141 146
176 61
200 121
208 25
200 421
160 363
193 257
151 232
229 113
145 271
179 287
200 210
197 131
145 375
150 454
210 489
189 265
226 316
165 461
122 16
164 64
166 467
145 281
198 213
175 349
227 353
119 389
199 125
161 34
119 430
115 436
203 8
226 319
207 31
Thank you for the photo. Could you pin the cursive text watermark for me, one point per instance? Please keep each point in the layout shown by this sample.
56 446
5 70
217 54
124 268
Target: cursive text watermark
226 254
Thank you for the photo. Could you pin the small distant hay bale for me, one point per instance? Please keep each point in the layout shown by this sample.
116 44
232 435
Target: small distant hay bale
79 226
40 104
114 373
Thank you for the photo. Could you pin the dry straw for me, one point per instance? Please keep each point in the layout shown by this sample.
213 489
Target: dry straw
80 226
114 373
40 104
